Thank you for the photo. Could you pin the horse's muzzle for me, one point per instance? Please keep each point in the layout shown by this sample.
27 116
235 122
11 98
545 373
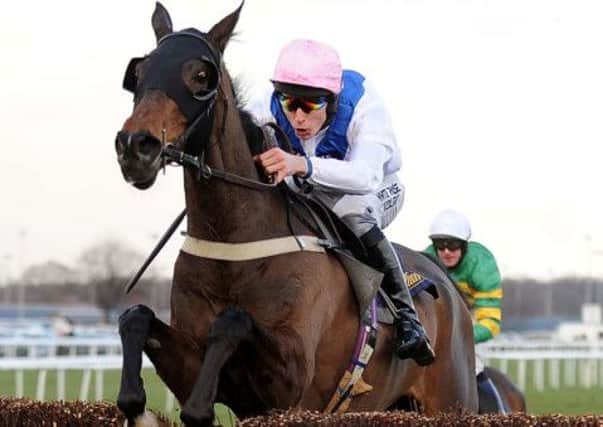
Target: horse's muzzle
140 145
138 155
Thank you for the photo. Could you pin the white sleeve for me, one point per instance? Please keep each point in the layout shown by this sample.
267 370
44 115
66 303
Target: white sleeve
359 176
372 152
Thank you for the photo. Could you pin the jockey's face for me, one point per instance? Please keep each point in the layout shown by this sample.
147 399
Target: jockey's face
450 258
306 125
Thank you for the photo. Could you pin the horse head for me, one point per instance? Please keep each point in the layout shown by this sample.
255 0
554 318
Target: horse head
175 89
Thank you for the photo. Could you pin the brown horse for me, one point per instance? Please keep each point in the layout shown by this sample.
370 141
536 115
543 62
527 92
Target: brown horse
512 396
274 332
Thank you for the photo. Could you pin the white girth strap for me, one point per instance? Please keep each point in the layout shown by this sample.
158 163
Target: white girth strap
250 250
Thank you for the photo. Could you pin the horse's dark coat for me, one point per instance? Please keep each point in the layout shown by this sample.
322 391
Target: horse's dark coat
271 333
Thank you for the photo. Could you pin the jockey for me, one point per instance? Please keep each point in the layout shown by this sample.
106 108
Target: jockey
346 155
473 268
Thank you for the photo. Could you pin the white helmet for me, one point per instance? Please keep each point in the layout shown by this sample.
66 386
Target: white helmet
450 223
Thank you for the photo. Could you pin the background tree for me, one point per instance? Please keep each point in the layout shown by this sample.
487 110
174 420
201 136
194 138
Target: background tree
50 272
107 267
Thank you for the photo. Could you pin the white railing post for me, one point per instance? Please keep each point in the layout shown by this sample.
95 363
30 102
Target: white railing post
570 372
99 384
521 374
554 374
85 386
539 374
41 386
583 373
19 383
593 372
61 384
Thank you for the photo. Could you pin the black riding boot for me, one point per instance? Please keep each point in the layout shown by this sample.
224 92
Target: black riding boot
410 339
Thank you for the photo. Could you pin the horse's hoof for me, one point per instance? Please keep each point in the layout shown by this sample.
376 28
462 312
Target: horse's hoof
132 404
195 417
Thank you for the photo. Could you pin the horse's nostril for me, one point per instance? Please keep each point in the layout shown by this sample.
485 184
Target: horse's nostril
149 146
121 142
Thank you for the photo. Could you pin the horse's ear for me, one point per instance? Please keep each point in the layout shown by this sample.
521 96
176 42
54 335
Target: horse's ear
162 23
221 32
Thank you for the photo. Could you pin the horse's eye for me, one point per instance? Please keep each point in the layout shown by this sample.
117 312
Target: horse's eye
202 75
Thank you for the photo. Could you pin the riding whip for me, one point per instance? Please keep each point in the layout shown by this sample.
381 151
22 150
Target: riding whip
166 236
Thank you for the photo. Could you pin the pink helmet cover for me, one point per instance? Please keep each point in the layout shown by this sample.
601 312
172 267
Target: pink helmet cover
309 63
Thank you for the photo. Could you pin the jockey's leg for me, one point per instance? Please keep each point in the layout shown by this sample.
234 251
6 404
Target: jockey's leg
367 215
489 397
410 338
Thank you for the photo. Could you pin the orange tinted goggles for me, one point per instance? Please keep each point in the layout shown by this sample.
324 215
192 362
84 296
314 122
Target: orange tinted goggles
307 104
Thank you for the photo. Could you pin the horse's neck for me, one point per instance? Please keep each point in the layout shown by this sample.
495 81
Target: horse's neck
222 211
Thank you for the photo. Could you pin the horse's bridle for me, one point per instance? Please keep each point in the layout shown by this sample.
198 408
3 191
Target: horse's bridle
197 108
178 150
166 62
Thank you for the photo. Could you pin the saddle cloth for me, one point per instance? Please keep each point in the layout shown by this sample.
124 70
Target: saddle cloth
416 283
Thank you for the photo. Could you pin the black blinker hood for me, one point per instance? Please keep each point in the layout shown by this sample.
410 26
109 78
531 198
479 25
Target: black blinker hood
164 71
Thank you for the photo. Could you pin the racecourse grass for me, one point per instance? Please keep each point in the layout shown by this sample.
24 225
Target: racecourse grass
155 390
566 401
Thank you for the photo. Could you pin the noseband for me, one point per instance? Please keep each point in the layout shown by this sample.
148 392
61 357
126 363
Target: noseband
166 62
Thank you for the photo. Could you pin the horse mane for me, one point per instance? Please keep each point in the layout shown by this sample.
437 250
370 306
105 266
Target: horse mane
253 132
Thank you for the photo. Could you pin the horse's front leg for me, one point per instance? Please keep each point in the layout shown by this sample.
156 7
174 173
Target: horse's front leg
134 326
176 356
231 328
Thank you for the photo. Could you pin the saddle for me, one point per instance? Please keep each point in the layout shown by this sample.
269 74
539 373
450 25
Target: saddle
336 236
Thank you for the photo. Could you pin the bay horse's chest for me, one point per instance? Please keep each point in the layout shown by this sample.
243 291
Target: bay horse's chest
270 289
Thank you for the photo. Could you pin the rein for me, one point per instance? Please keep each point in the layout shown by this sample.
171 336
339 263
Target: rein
170 152
206 172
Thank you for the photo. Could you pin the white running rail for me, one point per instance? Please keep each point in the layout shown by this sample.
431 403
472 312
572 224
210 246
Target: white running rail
539 364
65 354
553 363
